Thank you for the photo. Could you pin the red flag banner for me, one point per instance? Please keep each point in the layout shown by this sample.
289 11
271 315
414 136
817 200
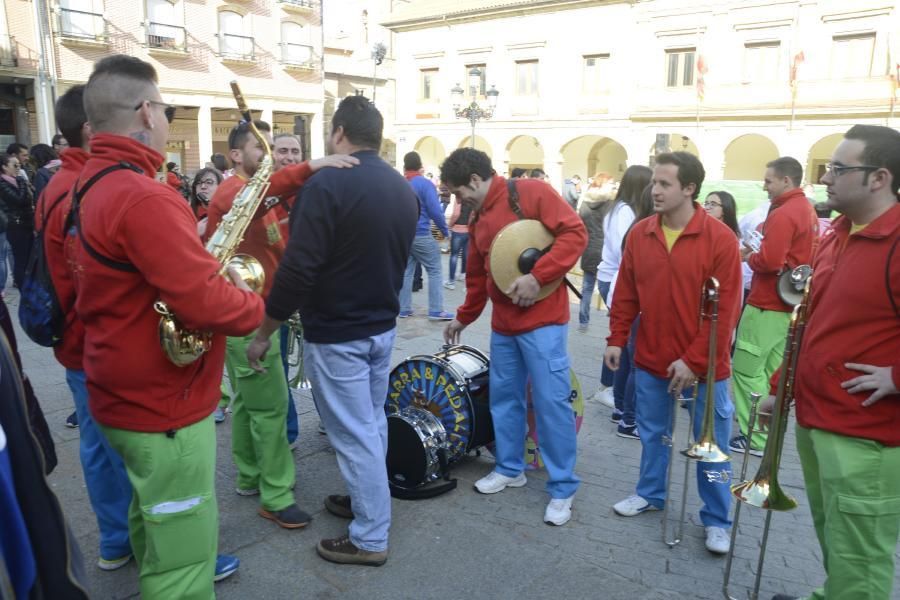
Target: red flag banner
701 77
795 68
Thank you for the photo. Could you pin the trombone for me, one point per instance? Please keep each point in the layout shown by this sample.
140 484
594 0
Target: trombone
295 345
764 491
703 449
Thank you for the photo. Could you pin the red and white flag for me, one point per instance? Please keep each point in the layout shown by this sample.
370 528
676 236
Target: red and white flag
795 68
702 69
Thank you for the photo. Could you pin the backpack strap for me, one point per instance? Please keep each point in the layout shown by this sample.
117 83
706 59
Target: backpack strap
513 197
45 213
73 219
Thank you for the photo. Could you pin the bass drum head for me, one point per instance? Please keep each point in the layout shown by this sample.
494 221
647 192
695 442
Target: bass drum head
533 458
406 459
439 387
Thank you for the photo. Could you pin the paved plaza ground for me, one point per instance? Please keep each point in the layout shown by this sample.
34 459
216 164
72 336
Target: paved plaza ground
462 544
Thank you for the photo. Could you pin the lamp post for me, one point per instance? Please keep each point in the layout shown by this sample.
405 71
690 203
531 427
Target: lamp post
473 112
379 51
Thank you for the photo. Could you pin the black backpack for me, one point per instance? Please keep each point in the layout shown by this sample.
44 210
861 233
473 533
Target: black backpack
40 314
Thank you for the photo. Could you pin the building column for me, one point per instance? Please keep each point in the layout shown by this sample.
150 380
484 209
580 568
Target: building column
266 114
316 134
553 164
204 133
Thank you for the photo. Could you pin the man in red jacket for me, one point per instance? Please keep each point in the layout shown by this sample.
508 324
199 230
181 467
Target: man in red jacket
667 262
847 382
135 244
789 232
528 338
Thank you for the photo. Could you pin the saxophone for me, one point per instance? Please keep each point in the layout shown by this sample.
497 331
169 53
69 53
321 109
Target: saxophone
183 346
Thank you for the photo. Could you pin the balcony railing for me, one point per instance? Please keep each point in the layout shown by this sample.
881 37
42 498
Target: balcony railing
300 4
166 37
8 57
237 47
78 24
297 55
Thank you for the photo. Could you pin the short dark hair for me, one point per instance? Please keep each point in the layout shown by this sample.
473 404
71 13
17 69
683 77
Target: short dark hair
219 161
788 166
462 163
363 125
5 158
170 166
517 172
882 149
15 148
238 135
115 83
690 169
56 139
412 161
70 116
196 183
41 154
537 174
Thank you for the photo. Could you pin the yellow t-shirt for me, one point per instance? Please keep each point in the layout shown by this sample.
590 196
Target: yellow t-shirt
854 228
671 236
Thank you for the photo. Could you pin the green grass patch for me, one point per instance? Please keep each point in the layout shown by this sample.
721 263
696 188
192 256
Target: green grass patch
747 194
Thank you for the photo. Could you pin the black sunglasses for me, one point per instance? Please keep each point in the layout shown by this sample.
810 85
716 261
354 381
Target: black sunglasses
169 110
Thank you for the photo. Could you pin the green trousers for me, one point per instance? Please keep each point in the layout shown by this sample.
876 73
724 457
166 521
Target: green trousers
758 351
225 392
853 486
173 519
259 443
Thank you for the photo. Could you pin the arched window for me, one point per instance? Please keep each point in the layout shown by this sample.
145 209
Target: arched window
295 47
164 25
82 18
233 39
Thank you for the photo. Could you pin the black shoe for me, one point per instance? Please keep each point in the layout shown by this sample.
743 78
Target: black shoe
417 287
341 550
628 431
339 506
72 421
289 518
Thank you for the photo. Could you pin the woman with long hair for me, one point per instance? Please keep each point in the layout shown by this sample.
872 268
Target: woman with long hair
46 163
204 185
17 203
722 207
592 209
619 217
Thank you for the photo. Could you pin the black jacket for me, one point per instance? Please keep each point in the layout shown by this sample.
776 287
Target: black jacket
17 203
351 231
592 211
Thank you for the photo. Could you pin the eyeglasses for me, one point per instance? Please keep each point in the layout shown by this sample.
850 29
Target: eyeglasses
838 170
710 204
169 110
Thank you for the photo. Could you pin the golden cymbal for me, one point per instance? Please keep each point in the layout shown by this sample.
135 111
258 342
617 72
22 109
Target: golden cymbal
514 251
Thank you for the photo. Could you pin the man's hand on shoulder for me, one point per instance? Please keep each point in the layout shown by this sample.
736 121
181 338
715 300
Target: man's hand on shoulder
337 161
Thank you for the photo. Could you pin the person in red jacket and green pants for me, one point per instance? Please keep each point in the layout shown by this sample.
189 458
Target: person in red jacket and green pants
528 338
847 383
668 259
135 244
789 233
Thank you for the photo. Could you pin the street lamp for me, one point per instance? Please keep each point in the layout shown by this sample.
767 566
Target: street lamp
379 51
473 112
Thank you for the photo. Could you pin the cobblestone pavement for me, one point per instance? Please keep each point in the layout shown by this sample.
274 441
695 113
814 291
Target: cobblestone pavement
462 544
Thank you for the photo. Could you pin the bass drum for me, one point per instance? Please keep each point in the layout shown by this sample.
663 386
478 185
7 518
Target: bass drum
451 385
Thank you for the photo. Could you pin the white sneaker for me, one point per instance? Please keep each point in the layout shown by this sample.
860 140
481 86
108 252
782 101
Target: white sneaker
717 540
632 505
113 564
604 395
449 285
559 511
495 482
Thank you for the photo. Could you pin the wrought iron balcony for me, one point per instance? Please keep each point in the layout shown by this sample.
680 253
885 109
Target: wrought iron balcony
298 56
161 36
300 6
237 47
81 25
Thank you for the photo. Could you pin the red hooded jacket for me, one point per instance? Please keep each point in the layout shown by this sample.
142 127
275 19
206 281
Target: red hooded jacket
664 288
537 201
789 235
131 218
851 320
68 351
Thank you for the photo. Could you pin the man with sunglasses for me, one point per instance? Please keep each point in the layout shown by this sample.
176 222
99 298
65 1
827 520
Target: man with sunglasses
789 233
848 371
134 243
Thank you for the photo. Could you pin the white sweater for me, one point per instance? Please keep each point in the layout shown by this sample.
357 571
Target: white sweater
615 225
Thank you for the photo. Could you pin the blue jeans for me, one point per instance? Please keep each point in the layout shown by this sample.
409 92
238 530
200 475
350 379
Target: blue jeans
588 283
459 246
350 381
425 250
293 423
654 420
109 490
4 270
540 355
607 376
622 395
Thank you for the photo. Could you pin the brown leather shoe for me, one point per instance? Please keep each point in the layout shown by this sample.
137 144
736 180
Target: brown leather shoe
341 550
339 506
290 517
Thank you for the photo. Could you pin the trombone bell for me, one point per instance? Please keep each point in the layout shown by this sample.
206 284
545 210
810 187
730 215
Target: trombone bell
762 494
706 451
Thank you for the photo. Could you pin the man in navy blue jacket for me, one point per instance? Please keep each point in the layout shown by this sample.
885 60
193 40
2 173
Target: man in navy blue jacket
424 248
351 230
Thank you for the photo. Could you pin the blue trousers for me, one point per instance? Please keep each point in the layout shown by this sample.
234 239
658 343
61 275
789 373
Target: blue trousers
541 355
623 379
109 490
654 420
607 375
459 246
425 250
350 381
293 423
